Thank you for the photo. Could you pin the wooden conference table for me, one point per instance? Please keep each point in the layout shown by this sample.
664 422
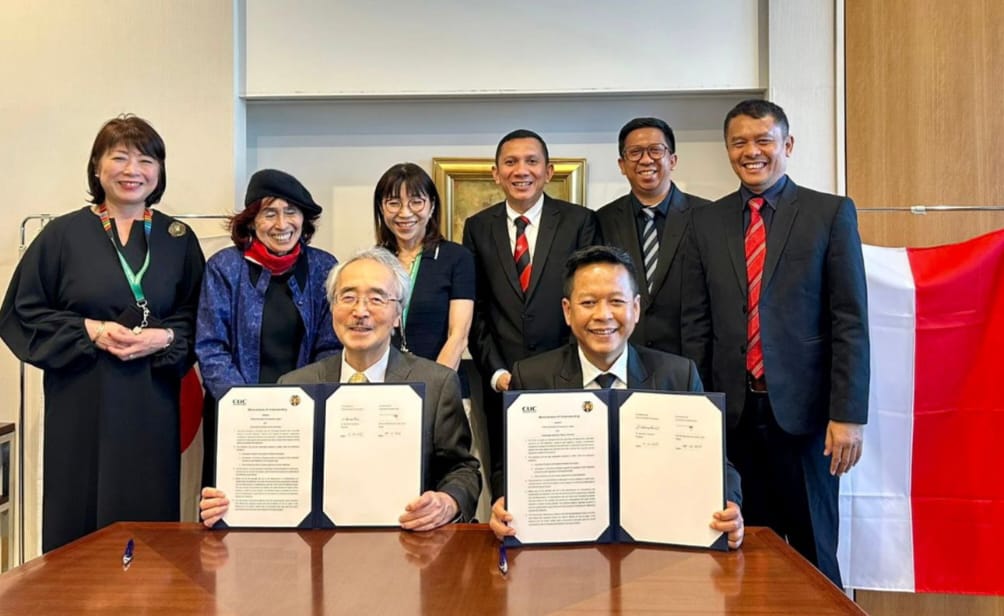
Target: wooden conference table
184 569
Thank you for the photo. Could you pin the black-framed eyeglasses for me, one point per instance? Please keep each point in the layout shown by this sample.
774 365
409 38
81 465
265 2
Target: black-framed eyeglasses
656 151
415 204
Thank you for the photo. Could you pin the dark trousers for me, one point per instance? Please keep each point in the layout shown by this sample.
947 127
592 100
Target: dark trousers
787 484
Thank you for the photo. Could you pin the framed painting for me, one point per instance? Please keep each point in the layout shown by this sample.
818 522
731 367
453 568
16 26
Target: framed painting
466 187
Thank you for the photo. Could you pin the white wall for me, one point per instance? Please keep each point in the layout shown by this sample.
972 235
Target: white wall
340 148
298 48
803 40
67 66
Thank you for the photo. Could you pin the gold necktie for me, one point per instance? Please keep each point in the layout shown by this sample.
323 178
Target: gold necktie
358 377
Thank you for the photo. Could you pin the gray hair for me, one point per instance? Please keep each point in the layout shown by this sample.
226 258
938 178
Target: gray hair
381 256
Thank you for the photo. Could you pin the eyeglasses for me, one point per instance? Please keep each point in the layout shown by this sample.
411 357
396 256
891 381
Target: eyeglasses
656 151
373 301
415 204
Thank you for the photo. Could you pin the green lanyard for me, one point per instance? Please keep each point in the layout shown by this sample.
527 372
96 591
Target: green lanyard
135 279
415 266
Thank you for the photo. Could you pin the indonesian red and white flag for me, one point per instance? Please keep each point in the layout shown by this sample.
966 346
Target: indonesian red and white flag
924 509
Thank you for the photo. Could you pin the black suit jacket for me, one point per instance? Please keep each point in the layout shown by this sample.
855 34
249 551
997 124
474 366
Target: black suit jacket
446 435
659 325
813 308
647 369
508 324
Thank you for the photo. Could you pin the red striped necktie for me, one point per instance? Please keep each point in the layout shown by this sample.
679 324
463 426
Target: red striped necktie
522 253
756 252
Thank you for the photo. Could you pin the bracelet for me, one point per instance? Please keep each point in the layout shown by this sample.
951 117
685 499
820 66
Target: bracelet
101 330
170 337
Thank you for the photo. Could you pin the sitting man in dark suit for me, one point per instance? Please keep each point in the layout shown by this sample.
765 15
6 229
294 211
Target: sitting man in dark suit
368 294
649 223
601 306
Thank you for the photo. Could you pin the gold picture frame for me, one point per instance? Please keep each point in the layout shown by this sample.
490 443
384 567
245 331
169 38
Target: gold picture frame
466 187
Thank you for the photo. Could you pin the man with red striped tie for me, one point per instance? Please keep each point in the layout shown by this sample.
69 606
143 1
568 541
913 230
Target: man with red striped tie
774 312
520 247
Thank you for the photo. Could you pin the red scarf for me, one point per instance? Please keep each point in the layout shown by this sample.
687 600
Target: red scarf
278 265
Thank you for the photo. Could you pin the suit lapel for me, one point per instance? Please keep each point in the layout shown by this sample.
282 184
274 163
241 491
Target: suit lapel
549 220
332 368
569 376
672 233
398 370
780 229
732 223
638 375
627 229
500 238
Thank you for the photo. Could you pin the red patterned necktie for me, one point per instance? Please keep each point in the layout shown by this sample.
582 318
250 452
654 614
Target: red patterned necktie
522 253
756 252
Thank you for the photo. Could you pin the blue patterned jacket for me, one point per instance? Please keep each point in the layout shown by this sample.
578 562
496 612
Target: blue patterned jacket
228 329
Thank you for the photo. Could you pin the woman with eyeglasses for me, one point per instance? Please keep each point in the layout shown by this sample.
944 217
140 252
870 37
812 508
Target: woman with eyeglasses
263 310
406 213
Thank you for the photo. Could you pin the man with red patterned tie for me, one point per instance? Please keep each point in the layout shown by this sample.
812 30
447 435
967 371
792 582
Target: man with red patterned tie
775 315
520 247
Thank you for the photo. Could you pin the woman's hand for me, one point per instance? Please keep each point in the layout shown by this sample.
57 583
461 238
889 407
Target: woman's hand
123 343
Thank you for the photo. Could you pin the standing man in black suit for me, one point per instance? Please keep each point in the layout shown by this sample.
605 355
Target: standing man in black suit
775 314
649 223
520 247
601 304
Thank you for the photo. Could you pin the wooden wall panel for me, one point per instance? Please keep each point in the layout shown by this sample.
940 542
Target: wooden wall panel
925 126
925 116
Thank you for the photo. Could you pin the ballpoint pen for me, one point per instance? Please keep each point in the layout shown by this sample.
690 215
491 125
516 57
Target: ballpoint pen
503 561
127 554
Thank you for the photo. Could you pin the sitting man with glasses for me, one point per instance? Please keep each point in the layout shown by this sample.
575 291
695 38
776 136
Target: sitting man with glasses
649 223
366 295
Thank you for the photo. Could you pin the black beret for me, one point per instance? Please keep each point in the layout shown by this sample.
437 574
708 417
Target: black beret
281 185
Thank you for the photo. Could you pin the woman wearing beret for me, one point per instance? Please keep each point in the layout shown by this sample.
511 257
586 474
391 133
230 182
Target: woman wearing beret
406 213
263 310
104 302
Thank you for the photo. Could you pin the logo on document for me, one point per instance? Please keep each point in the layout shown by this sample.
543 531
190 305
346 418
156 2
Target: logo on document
294 400
587 406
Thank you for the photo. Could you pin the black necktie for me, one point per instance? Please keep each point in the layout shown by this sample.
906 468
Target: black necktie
605 380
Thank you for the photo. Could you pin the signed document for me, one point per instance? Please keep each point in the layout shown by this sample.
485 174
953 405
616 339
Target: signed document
557 481
373 453
671 468
265 455
615 465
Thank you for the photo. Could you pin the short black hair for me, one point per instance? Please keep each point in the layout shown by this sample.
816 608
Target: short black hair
757 108
130 131
637 123
521 133
597 254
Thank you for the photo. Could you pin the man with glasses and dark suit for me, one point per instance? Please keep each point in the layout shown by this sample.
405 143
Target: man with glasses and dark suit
367 296
650 223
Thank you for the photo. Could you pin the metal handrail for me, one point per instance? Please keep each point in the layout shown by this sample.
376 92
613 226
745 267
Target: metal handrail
924 209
